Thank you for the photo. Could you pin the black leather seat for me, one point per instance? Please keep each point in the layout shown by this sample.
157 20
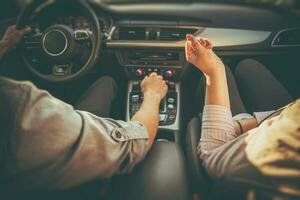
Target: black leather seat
162 175
200 182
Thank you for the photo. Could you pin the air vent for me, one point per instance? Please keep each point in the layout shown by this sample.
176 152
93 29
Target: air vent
132 33
290 37
175 34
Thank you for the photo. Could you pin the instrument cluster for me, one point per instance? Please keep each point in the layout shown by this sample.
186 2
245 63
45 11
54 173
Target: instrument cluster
82 23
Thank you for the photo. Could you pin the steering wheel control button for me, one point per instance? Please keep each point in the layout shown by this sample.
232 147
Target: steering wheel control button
55 42
61 70
81 35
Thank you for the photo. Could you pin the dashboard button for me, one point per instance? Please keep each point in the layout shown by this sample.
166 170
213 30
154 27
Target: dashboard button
135 98
171 100
169 73
163 117
139 72
172 117
171 106
171 86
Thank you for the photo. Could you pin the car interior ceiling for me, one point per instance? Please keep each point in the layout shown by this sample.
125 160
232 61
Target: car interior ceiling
269 34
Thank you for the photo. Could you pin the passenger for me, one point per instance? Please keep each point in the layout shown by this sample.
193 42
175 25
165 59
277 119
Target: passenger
46 144
261 151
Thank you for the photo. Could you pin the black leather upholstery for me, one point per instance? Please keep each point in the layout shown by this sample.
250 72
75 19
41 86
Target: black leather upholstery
199 179
162 175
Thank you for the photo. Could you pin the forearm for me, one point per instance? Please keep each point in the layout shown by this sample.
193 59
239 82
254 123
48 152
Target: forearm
246 125
217 123
217 89
149 116
3 49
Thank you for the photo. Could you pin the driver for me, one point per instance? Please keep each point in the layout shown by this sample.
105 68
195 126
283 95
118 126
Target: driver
47 144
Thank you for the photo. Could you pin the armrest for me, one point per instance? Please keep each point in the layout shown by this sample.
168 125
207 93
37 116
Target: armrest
162 175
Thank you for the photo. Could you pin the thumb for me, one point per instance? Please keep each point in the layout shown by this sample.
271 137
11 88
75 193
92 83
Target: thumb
190 55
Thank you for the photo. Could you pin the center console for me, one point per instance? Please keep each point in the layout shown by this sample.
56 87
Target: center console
139 63
169 111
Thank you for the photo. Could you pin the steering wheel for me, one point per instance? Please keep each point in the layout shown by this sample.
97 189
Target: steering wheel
60 52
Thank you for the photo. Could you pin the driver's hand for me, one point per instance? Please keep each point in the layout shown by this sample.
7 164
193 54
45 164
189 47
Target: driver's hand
13 36
154 86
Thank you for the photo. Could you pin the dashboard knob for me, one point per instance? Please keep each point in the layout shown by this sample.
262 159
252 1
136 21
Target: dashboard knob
171 106
139 72
169 73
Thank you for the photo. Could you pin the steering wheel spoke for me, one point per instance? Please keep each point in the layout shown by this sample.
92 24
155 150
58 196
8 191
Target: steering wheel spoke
32 41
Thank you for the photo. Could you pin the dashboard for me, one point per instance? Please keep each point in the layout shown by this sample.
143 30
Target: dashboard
146 37
145 25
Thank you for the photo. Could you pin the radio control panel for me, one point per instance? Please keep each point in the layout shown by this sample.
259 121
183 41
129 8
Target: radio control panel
168 73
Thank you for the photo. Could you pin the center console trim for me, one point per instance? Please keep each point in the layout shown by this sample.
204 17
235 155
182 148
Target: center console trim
176 125
222 37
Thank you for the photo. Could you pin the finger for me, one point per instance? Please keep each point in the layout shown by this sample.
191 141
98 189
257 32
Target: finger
186 49
205 43
153 74
208 43
191 53
201 40
189 50
165 88
189 37
25 30
160 77
191 56
165 84
196 44
145 78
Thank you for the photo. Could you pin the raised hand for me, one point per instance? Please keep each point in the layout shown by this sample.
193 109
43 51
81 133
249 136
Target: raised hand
199 52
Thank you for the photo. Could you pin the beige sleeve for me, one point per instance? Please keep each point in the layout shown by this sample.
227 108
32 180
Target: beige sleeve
58 147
